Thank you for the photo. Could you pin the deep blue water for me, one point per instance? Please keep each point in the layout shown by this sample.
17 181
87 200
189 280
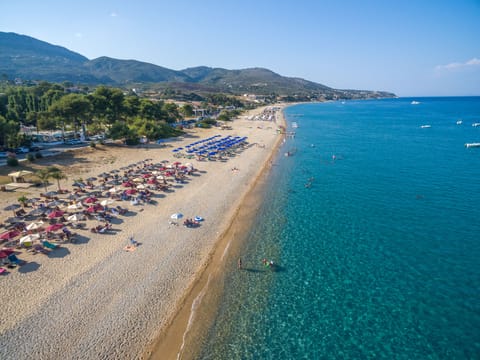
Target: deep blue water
375 226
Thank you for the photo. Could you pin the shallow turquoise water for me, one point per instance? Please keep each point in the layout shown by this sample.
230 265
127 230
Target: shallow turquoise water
379 256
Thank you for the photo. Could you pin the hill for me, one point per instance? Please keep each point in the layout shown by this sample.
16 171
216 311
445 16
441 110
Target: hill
31 59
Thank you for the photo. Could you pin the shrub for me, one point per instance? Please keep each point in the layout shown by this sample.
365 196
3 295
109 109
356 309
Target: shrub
12 161
38 155
30 157
93 145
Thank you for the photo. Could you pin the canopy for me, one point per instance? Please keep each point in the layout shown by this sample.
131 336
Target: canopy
20 173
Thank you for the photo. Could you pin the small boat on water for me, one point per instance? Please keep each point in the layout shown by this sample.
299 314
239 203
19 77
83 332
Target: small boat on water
476 124
469 145
459 122
294 125
425 126
415 102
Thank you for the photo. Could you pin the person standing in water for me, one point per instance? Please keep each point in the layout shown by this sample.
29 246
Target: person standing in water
239 263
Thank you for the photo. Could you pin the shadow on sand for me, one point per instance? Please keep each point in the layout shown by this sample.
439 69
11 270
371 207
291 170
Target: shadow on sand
29 267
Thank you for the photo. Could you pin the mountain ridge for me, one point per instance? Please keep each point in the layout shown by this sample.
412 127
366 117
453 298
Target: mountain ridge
25 57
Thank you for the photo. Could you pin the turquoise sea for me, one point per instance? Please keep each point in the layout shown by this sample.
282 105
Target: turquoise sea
374 224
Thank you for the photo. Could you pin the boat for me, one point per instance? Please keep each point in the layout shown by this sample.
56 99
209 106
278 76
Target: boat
294 125
425 126
459 122
469 145
415 102
476 124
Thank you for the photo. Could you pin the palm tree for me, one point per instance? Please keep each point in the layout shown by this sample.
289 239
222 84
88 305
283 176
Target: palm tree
44 175
56 174
23 200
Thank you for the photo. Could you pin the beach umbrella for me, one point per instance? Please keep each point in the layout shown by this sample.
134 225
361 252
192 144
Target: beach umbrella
76 206
146 176
54 227
12 207
37 212
34 225
56 214
141 187
106 202
151 181
33 200
176 216
9 235
75 217
51 193
138 179
90 200
113 190
29 238
3 254
78 184
14 220
128 184
95 208
54 203
92 178
130 191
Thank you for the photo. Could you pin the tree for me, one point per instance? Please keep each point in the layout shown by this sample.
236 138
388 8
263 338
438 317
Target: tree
44 176
187 110
57 174
23 200
73 107
171 110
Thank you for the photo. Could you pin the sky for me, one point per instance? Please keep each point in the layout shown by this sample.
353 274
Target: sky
411 48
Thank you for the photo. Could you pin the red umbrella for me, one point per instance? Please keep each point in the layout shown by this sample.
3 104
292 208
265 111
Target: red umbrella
54 227
152 181
56 214
3 255
130 191
90 200
9 234
145 176
95 208
7 251
128 184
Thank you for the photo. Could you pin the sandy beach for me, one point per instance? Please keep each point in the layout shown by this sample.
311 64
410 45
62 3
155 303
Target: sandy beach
93 299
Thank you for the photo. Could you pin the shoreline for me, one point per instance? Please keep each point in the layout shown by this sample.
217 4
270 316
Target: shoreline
171 342
94 299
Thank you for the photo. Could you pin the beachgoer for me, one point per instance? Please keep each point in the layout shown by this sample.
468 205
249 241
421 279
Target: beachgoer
271 263
264 261
239 263
133 241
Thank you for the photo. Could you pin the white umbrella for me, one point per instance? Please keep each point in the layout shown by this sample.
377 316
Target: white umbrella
75 217
138 179
34 225
114 190
29 238
106 202
75 206
141 186
176 216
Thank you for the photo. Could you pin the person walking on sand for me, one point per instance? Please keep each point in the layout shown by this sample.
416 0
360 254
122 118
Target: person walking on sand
239 263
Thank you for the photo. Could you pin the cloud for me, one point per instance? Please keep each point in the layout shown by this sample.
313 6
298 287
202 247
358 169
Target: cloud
458 65
113 14
78 35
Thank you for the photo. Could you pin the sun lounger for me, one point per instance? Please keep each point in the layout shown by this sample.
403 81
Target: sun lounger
49 245
3 270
